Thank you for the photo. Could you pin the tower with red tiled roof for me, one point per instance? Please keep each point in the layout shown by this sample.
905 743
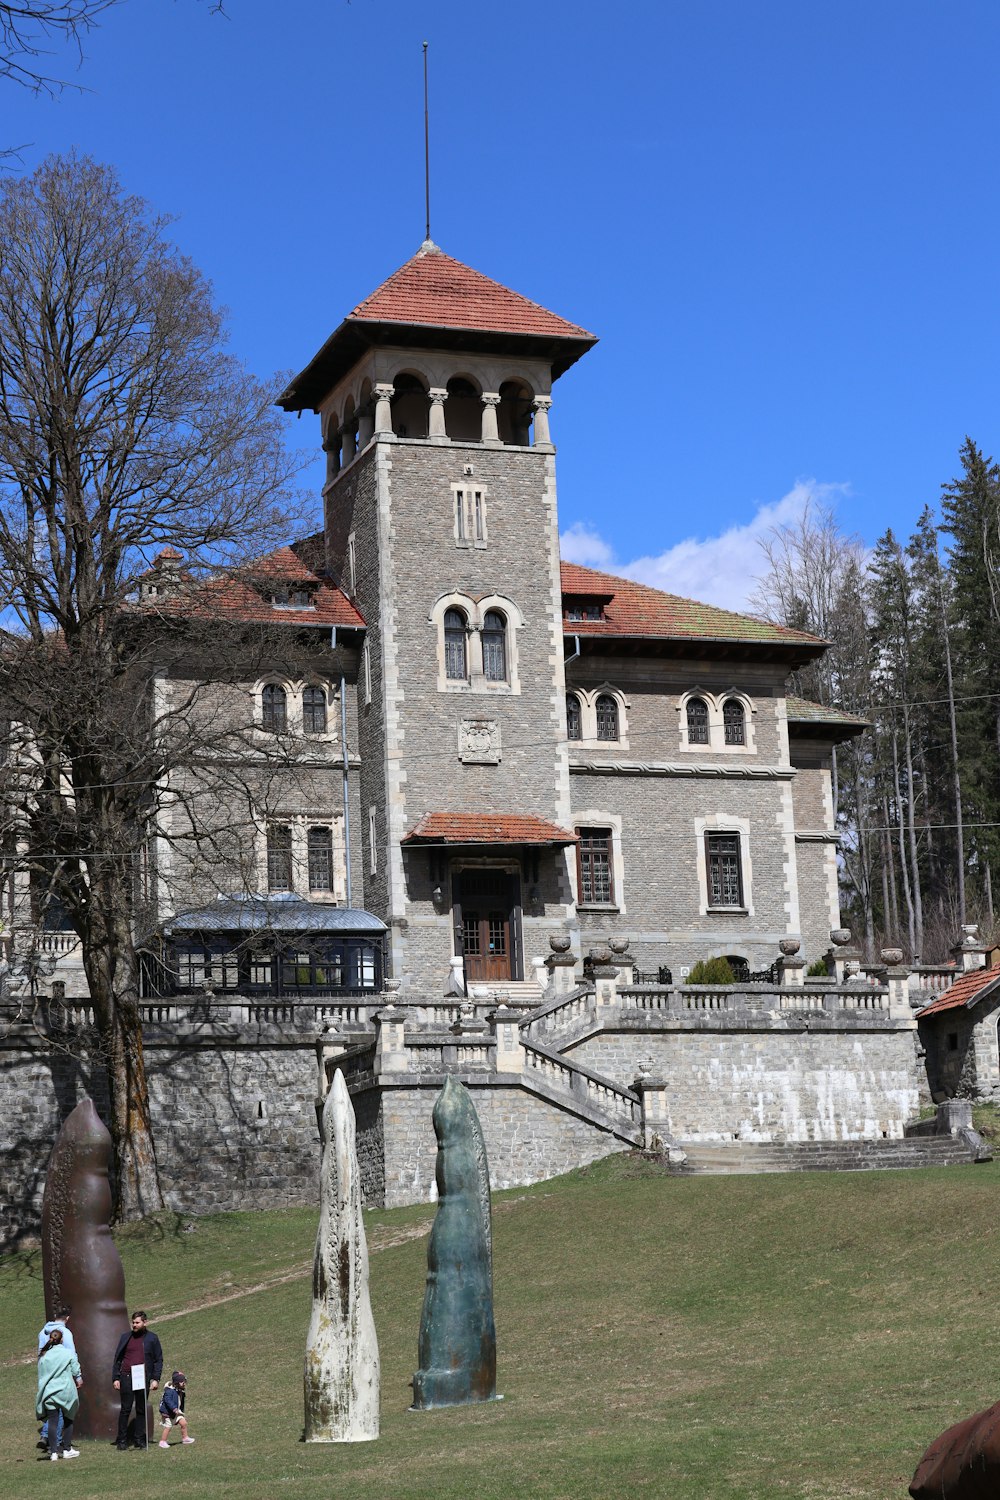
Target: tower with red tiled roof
440 520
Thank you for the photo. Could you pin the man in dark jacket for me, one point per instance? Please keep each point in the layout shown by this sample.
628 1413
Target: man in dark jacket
139 1347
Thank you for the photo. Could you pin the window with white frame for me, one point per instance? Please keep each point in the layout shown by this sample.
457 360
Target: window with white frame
574 719
372 846
595 867
319 852
734 722
697 721
724 870
314 710
606 709
469 515
274 708
279 857
352 567
366 671
494 639
456 661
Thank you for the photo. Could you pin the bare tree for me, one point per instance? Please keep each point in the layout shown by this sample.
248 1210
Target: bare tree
124 428
30 29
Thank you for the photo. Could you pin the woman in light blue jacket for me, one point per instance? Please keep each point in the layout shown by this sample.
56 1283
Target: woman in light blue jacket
59 1384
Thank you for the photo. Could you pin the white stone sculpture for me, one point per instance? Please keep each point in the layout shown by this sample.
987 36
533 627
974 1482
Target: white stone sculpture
342 1365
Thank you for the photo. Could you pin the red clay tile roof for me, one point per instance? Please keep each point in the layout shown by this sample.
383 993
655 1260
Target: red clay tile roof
486 828
962 991
433 289
804 711
633 609
235 596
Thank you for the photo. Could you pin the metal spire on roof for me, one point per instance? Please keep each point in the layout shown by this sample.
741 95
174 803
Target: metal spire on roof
427 159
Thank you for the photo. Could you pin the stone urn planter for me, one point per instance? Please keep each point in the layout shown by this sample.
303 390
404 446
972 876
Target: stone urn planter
892 956
840 936
789 946
618 946
559 942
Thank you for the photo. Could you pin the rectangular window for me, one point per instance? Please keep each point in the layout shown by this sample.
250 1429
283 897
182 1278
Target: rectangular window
469 517
725 874
320 850
366 662
352 574
372 849
595 867
279 857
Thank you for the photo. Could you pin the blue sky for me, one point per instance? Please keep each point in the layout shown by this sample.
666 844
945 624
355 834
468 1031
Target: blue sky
780 217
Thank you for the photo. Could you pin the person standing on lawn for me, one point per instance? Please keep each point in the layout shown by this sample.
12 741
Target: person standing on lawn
58 1398
139 1346
172 1408
60 1321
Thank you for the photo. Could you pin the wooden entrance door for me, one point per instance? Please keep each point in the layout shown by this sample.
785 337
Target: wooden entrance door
487 924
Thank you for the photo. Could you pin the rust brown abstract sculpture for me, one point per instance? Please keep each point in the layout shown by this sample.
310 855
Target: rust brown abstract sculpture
81 1267
963 1463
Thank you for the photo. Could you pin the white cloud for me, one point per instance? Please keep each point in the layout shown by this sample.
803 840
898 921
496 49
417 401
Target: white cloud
715 569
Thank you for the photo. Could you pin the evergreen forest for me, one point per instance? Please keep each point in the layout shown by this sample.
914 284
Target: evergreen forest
914 626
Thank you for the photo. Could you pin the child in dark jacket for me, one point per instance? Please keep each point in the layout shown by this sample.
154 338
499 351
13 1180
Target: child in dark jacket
172 1408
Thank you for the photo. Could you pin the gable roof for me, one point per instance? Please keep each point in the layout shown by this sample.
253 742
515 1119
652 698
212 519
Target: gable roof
968 990
634 609
240 597
436 301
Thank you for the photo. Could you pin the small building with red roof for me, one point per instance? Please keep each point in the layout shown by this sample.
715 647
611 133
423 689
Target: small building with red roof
960 1029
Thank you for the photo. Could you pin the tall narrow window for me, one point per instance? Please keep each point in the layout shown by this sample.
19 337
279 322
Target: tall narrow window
352 566
595 869
279 857
274 708
366 662
725 874
494 638
372 846
320 849
455 666
478 529
574 725
697 718
734 722
607 717
314 710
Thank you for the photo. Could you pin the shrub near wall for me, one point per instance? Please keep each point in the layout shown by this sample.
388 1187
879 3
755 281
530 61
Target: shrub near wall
712 971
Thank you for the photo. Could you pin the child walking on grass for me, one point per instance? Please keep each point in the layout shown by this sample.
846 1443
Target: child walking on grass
172 1408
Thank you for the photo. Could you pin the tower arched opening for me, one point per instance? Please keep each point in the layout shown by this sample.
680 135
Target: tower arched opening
463 411
410 406
514 413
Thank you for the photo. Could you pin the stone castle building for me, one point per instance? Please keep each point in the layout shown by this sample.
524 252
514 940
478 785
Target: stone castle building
505 763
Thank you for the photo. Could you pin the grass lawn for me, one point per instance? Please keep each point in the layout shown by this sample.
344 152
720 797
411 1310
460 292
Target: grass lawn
694 1338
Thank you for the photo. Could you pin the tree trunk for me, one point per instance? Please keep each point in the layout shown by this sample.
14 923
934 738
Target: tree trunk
112 969
903 866
911 832
956 777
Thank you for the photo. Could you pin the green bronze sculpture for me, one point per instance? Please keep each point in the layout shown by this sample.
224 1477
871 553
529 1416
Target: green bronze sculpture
457 1347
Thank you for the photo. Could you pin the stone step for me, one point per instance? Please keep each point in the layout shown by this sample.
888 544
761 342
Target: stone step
711 1158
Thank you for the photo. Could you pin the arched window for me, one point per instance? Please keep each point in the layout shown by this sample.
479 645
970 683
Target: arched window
574 725
455 661
463 411
410 407
320 852
494 638
734 722
274 708
514 413
314 710
697 717
607 717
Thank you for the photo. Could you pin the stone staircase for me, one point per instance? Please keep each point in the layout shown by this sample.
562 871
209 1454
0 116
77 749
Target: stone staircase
745 1158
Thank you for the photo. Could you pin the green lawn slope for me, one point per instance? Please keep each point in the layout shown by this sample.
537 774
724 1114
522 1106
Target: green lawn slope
694 1338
